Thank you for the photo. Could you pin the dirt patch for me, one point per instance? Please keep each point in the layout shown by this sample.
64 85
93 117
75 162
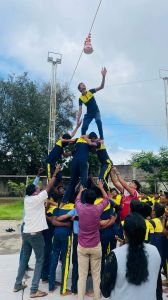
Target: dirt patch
9 200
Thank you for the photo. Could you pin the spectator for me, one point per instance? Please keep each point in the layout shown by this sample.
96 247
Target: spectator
35 223
132 271
89 246
128 190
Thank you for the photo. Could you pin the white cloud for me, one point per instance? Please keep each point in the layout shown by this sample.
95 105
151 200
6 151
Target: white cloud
122 156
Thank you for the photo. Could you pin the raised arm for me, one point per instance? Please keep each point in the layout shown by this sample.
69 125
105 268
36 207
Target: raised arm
115 181
78 124
78 198
52 181
123 182
37 179
79 113
100 185
103 72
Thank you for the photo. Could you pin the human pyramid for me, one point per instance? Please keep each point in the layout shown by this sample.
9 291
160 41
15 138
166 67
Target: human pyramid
83 144
90 218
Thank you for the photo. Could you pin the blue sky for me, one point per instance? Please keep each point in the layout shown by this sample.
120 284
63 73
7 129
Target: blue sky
129 38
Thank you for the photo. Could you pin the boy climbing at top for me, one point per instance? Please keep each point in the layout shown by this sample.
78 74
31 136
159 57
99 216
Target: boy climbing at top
87 97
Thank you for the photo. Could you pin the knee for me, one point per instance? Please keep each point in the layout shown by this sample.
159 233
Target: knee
99 122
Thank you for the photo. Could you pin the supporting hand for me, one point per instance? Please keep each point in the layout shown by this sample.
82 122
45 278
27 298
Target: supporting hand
57 169
40 171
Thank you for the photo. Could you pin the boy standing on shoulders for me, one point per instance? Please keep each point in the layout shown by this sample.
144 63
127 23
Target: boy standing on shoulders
87 97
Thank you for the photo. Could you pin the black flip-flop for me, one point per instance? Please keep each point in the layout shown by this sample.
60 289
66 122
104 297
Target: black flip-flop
9 230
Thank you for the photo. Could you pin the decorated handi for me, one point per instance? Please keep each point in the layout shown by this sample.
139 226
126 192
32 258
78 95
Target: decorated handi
88 49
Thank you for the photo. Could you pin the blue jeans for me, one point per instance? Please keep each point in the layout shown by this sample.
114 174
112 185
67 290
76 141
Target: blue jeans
21 251
48 237
35 242
88 119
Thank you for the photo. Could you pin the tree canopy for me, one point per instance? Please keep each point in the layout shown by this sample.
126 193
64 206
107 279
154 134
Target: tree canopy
24 122
156 164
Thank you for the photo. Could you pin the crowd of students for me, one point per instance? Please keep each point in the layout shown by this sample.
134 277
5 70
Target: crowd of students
90 218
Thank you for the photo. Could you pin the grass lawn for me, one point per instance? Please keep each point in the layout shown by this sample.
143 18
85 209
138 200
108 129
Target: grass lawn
12 210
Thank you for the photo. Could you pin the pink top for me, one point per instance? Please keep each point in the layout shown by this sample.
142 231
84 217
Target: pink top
89 222
125 203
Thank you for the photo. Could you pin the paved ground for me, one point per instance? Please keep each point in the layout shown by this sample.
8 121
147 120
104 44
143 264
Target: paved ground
9 257
8 269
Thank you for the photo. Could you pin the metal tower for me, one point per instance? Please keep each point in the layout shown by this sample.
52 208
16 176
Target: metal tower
54 59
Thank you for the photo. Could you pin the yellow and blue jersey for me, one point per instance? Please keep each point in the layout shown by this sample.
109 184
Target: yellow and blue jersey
102 154
158 225
149 231
55 153
89 100
153 200
51 209
60 212
144 200
157 239
117 200
81 149
107 214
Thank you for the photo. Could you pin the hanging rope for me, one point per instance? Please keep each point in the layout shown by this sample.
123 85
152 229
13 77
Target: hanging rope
91 27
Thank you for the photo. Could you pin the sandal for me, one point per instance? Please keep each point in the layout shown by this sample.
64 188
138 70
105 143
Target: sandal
21 287
38 294
68 292
9 230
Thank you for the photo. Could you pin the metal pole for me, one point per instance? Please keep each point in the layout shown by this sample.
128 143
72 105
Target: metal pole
51 141
166 102
55 103
54 59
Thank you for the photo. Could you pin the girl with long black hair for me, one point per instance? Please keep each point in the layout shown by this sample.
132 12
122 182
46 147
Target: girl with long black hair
132 270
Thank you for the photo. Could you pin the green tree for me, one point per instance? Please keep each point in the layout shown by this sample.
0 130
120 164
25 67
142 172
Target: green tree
24 119
155 164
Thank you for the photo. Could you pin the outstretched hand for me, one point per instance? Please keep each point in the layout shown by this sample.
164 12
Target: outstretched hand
114 169
57 169
40 171
104 72
100 184
81 189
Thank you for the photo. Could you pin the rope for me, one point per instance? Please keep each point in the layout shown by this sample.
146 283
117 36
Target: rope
91 27
95 16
